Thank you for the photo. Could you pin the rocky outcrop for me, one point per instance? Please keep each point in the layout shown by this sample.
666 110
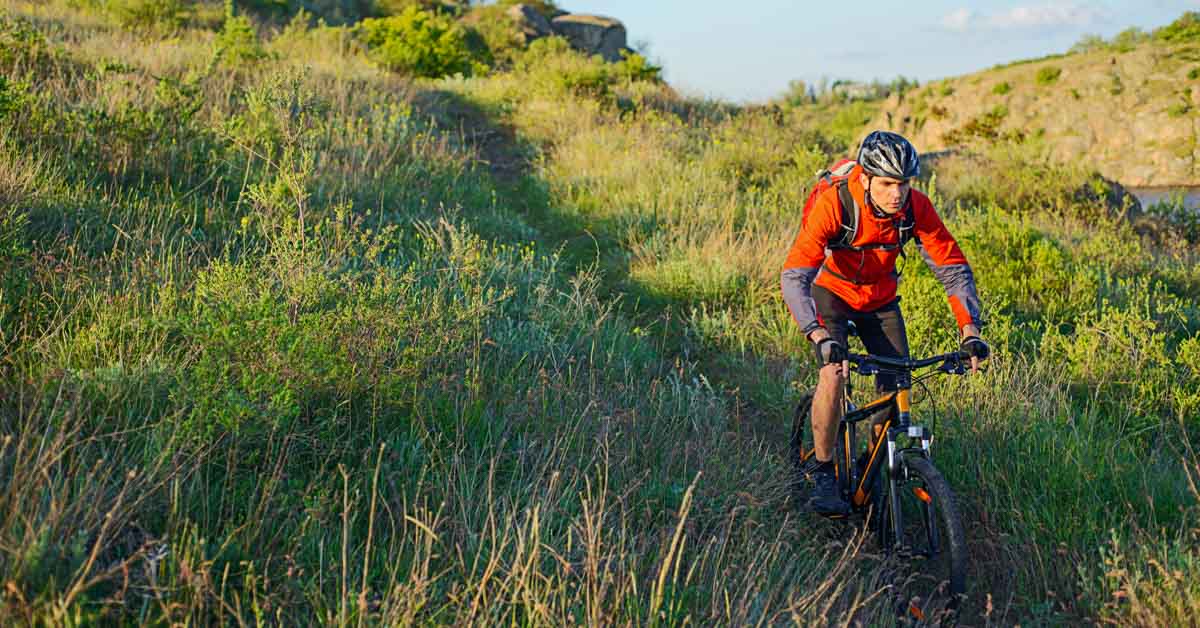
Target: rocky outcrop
593 34
530 22
1134 116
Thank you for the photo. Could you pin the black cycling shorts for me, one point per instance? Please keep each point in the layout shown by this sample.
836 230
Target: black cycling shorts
881 331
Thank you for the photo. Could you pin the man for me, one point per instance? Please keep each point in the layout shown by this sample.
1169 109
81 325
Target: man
828 283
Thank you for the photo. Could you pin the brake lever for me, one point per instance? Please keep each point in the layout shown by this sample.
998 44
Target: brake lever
953 367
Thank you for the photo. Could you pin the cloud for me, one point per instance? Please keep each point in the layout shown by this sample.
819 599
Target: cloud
1023 18
958 19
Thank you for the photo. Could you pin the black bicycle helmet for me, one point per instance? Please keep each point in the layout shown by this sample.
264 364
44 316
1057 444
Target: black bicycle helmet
886 154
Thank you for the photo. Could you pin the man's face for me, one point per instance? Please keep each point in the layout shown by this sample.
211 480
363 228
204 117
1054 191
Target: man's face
888 194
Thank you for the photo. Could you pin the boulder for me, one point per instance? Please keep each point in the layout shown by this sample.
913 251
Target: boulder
532 23
592 34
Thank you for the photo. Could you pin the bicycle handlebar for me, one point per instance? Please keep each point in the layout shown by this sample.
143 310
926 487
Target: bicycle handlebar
859 359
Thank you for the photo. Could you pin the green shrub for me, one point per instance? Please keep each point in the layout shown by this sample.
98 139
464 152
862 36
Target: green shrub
634 67
1048 75
1184 29
1194 73
1002 88
420 43
148 15
1115 86
10 97
552 62
986 127
1128 39
1179 109
946 90
238 41
396 7
498 33
546 7
1088 43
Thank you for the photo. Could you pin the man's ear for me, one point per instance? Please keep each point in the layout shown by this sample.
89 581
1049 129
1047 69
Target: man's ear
864 180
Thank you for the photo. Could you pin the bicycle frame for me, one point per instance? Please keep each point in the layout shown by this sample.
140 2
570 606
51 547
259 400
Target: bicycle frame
896 422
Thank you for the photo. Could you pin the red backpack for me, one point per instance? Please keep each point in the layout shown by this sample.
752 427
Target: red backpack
839 175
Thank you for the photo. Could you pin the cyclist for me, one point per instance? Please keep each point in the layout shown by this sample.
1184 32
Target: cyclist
826 284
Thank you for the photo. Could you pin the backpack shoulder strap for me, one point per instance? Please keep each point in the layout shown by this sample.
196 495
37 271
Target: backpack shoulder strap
850 214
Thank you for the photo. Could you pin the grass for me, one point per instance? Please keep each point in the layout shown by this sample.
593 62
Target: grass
297 341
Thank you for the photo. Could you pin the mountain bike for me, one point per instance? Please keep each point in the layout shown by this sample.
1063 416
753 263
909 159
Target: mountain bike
893 483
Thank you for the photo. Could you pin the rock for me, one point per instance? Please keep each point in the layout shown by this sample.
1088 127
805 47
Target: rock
1124 119
592 34
533 24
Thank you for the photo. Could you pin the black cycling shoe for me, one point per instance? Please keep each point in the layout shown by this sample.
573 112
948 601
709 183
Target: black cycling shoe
826 499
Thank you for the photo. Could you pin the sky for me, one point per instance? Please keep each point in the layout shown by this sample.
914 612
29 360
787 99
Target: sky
749 51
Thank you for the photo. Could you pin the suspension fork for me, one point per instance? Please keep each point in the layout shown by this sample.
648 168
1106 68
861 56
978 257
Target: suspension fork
903 420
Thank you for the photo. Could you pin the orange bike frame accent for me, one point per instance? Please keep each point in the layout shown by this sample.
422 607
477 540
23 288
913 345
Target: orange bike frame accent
903 404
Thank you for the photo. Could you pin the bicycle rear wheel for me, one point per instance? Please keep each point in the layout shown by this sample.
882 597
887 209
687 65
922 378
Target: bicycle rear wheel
932 543
800 449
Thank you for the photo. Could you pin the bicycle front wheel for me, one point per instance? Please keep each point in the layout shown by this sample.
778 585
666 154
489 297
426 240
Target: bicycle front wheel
928 539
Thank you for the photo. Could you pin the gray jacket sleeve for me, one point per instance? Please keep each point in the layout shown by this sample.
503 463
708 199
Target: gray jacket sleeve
796 284
959 282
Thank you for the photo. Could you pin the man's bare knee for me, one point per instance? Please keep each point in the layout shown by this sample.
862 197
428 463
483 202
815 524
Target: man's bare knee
830 375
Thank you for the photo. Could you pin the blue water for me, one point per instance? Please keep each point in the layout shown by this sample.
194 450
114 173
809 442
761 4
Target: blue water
1150 196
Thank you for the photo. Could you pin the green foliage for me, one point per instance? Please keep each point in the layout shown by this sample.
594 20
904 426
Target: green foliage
1115 86
1048 75
238 43
147 15
1129 39
498 33
552 66
251 318
946 90
11 97
1089 43
1193 73
635 67
419 43
984 127
547 8
396 7
1179 109
1124 41
1183 30
1001 88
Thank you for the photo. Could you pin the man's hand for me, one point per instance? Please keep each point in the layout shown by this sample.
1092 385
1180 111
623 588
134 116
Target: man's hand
829 351
974 346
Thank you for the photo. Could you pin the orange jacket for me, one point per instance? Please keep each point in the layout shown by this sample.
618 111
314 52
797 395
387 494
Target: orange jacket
866 279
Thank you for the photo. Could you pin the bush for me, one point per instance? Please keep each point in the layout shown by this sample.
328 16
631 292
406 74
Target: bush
420 43
552 62
985 127
634 67
1128 39
1002 88
1184 29
238 41
1088 43
1048 75
546 7
148 15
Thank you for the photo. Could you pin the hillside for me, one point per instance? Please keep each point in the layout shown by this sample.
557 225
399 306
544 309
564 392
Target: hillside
305 323
1133 114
